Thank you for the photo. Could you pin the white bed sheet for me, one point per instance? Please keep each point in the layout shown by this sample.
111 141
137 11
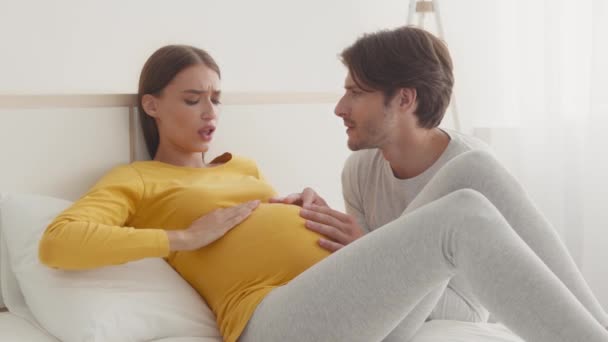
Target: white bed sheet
16 329
454 331
433 331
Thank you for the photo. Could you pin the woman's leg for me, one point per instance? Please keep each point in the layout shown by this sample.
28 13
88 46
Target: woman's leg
363 291
480 171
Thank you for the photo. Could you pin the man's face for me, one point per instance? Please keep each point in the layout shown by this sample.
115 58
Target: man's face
369 121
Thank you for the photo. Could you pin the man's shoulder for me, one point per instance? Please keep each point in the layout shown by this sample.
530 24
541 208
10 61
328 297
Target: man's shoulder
464 143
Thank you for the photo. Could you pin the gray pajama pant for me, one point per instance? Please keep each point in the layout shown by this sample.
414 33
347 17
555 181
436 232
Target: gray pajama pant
472 221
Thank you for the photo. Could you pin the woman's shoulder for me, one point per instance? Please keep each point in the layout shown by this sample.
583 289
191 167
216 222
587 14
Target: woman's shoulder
121 171
121 178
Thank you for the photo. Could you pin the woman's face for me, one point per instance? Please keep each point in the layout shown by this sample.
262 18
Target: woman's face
187 109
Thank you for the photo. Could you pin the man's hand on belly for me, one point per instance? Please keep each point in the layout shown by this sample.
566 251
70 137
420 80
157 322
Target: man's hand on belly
339 228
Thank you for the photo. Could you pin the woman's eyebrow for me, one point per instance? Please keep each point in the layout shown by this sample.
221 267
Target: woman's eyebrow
199 92
195 91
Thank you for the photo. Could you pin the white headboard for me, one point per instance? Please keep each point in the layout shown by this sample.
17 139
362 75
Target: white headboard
58 145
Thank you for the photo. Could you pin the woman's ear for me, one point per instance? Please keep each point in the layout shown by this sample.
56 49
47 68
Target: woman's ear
149 104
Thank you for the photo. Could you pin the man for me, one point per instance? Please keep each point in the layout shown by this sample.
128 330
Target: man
398 87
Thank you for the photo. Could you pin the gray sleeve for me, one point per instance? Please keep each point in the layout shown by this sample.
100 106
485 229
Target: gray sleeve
351 191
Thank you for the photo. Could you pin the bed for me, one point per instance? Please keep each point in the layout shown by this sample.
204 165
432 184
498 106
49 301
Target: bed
44 171
14 328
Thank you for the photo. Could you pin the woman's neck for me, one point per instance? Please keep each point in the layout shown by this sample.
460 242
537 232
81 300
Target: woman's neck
179 158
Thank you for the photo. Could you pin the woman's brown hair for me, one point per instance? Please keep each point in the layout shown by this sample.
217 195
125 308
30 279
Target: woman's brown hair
159 70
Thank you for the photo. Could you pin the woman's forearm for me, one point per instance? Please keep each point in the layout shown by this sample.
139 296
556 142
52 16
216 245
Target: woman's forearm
86 245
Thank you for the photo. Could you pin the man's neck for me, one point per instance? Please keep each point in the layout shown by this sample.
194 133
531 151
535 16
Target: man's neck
412 154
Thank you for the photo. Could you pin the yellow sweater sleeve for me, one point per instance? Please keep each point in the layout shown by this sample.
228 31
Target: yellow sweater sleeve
92 232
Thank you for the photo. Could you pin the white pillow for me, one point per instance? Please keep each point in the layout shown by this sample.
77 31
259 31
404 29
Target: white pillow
138 301
13 298
15 329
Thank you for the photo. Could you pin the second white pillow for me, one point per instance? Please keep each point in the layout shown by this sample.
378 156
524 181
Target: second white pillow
138 301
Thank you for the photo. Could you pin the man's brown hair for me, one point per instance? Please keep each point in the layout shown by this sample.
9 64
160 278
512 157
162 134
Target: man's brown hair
406 57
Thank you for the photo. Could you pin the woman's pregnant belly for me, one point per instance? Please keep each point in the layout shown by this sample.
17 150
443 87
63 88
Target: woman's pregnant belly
268 249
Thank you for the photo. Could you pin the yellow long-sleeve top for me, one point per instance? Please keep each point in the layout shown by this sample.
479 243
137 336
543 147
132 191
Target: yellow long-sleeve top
123 216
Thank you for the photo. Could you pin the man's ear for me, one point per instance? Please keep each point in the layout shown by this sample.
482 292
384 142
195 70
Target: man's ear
150 105
407 97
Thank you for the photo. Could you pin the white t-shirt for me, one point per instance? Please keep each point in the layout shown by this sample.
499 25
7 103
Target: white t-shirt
376 197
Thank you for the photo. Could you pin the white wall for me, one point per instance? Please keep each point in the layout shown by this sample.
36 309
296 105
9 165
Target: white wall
100 46
595 256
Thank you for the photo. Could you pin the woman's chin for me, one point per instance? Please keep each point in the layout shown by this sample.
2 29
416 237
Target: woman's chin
203 146
200 148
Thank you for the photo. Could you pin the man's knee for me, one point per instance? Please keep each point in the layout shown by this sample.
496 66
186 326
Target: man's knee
475 160
472 204
469 198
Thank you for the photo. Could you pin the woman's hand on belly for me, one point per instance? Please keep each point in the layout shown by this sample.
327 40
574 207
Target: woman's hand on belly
210 227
